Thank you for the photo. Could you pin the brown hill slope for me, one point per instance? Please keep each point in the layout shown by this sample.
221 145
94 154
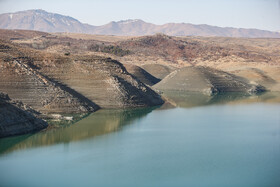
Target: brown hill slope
23 83
157 48
162 52
20 34
206 80
268 77
102 80
194 50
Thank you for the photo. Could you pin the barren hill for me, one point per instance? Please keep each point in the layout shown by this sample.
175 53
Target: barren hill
22 81
206 80
193 49
160 54
59 83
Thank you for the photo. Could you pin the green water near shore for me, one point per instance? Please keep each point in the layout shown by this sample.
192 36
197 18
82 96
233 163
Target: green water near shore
219 141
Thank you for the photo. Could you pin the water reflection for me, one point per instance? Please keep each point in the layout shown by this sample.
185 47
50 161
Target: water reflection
98 123
106 121
187 100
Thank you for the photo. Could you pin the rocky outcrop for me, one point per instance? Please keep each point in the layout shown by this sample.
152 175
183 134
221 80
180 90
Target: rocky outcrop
206 80
17 118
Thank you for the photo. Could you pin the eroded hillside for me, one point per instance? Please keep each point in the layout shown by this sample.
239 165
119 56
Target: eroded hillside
207 81
59 82
76 73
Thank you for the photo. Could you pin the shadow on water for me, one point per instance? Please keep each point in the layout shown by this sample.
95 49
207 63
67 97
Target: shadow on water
98 123
187 100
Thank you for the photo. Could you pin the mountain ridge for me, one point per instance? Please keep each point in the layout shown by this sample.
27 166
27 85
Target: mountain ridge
41 20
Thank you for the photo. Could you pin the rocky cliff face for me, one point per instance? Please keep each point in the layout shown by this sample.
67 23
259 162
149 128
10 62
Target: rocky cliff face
17 118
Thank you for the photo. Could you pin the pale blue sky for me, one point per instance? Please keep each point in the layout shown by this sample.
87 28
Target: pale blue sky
260 14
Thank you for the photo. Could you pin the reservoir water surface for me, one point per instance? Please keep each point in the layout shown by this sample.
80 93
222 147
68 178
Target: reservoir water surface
215 144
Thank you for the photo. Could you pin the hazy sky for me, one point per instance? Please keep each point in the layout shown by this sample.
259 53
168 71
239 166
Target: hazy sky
261 14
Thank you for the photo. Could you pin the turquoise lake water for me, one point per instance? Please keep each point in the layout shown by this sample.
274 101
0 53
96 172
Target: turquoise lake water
227 144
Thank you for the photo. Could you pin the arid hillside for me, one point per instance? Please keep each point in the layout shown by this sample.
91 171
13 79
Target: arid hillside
68 83
258 60
255 59
178 51
75 73
207 81
23 82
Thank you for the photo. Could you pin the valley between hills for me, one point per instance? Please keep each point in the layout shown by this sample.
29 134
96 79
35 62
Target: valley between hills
48 77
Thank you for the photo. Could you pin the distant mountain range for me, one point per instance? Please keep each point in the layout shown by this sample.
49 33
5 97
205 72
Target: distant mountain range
50 22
